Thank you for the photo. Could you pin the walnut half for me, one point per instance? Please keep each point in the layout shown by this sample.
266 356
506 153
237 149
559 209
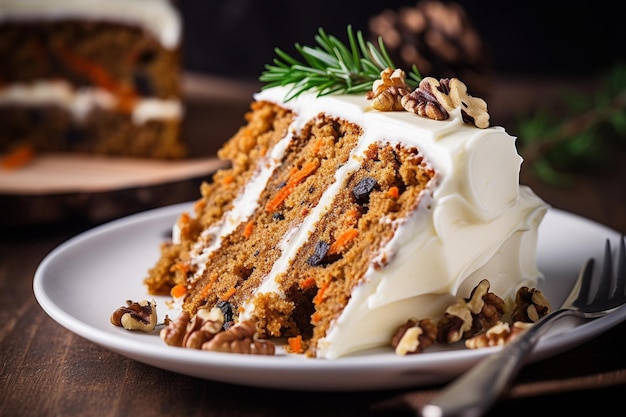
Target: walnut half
498 335
387 92
469 316
193 333
436 99
530 305
414 336
240 338
140 316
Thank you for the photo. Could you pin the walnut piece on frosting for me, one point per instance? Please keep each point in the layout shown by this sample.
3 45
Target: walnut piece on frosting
387 92
140 316
436 99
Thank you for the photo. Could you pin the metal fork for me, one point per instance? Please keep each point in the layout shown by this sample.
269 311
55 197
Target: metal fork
473 393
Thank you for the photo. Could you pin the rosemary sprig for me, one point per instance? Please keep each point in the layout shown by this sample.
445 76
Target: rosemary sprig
332 66
585 139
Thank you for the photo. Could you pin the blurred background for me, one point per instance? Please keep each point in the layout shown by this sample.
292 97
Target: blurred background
553 74
237 38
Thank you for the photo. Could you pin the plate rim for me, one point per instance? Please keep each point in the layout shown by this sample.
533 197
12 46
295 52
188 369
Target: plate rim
428 367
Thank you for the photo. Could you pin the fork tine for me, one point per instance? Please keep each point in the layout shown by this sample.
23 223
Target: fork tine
621 270
606 275
583 283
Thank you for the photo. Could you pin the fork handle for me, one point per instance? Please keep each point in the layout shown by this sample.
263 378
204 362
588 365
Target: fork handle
476 390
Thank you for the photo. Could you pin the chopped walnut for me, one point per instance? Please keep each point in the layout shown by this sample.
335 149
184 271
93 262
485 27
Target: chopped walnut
530 305
203 327
423 101
436 99
174 331
193 333
414 336
498 335
388 91
140 316
470 316
240 338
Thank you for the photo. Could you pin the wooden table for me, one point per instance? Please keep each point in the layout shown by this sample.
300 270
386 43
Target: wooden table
48 371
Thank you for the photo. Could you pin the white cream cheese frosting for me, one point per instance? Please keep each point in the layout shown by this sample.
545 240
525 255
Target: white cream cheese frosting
158 17
473 222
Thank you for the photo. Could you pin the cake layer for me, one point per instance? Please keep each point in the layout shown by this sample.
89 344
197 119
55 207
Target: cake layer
115 57
216 214
100 131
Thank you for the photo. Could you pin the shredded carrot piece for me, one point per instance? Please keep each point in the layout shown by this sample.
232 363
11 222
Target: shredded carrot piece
205 290
352 213
231 291
295 344
99 76
247 230
343 239
228 179
282 194
199 205
18 157
296 176
316 317
306 170
180 266
394 192
178 290
318 145
320 294
306 283
185 218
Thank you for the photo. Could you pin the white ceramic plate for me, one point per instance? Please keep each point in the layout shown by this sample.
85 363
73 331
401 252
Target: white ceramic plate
80 283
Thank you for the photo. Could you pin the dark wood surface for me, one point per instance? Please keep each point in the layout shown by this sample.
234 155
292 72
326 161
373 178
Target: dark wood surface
45 370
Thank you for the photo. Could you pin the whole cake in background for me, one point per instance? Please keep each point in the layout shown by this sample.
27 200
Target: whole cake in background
349 208
94 76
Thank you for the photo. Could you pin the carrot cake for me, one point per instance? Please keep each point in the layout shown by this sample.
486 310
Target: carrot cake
343 213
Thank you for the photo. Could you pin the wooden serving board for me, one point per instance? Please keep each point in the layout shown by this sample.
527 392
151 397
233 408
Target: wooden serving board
55 189
57 173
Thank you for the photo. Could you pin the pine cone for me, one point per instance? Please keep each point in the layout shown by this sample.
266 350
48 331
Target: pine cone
436 37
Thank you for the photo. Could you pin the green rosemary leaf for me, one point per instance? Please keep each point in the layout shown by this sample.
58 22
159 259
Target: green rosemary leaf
332 66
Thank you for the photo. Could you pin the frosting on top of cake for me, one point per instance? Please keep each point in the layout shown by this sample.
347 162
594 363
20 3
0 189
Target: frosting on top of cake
474 222
158 17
